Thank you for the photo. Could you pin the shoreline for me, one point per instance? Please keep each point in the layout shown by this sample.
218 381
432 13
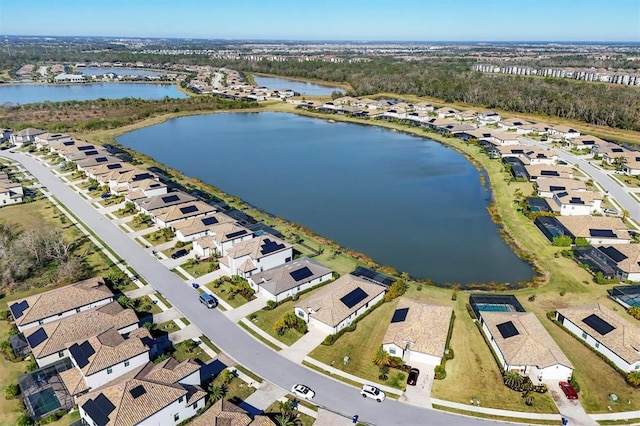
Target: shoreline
539 275
328 84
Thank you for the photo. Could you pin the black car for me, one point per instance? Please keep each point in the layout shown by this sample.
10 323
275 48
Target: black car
179 253
413 376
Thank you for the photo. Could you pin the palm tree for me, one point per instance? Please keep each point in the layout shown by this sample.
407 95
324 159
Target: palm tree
285 407
513 379
384 372
287 420
633 378
381 357
216 392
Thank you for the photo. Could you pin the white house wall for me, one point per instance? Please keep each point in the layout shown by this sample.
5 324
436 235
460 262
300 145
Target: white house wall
556 372
50 359
65 314
101 377
598 347
494 345
393 350
423 358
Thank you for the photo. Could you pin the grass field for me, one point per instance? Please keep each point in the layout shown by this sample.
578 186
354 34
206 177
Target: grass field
182 353
11 409
223 293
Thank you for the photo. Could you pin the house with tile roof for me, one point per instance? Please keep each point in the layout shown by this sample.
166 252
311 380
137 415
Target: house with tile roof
577 203
49 342
541 171
156 202
418 331
167 393
586 143
598 230
256 255
522 344
168 216
25 137
99 170
291 278
605 332
198 227
146 188
84 163
488 117
10 192
46 139
104 357
226 413
548 186
226 235
566 132
626 257
60 303
336 305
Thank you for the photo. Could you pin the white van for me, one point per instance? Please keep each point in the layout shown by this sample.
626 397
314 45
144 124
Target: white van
208 300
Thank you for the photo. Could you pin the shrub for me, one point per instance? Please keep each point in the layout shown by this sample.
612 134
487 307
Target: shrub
180 244
470 311
532 298
53 417
439 372
396 289
11 390
581 242
4 315
454 296
563 292
574 383
633 379
634 312
24 420
562 241
448 354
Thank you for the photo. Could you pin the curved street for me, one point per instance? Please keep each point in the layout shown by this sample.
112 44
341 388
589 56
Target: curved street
227 335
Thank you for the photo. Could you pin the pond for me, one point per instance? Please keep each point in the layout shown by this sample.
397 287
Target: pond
302 87
405 201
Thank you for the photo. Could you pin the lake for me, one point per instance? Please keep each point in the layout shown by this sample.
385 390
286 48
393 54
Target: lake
117 71
302 87
30 93
405 201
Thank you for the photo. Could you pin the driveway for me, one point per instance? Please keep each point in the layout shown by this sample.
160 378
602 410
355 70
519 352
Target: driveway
247 351
420 394
571 409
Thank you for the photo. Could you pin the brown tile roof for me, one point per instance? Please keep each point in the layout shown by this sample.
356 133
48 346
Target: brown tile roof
538 169
531 346
220 232
631 260
623 340
160 201
253 247
223 413
581 226
63 299
74 381
262 420
60 334
279 279
426 326
325 305
545 184
110 349
199 224
175 213
169 371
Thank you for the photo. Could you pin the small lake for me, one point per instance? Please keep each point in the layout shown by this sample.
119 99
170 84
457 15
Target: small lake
31 93
404 201
302 87
117 71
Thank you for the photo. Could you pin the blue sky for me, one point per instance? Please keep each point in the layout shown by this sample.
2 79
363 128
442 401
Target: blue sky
396 20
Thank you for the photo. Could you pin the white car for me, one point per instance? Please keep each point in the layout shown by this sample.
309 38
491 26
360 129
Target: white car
370 391
303 391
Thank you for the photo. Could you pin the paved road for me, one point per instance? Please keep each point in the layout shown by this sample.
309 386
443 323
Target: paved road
228 336
617 192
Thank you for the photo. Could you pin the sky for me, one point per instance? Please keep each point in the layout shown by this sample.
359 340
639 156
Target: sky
361 20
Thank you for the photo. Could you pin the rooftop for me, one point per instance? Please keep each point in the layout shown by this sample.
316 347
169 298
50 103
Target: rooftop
595 226
290 275
258 247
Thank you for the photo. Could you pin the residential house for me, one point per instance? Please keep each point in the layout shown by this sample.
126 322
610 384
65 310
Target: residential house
534 128
488 117
25 137
146 188
59 303
418 331
598 230
168 216
123 181
468 115
522 344
631 167
5 134
223 236
446 112
167 393
46 139
612 153
586 143
338 304
501 138
256 255
10 192
69 78
540 156
605 332
50 341
542 171
289 279
578 203
99 170
150 204
96 160
565 132
626 258
548 186
226 413
515 124
104 357
198 227
77 152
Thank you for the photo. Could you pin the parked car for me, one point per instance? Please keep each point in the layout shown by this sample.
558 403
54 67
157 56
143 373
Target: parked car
208 300
370 391
179 253
302 391
412 379
568 390
105 195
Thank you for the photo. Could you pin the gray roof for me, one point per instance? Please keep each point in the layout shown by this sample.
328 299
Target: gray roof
158 201
280 279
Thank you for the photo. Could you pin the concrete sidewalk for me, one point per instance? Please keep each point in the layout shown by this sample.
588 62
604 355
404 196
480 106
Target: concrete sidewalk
300 349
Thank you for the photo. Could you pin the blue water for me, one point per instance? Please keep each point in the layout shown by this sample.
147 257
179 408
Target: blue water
30 93
304 88
404 201
118 71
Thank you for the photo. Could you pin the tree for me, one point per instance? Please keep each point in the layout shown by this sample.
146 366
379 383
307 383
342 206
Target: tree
381 357
397 289
216 392
384 372
287 420
227 376
633 378
285 407
513 379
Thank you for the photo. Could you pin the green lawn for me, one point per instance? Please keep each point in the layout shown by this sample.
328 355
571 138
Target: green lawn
139 226
157 237
237 390
168 326
197 269
266 319
273 411
163 300
223 293
11 409
147 305
181 353
168 252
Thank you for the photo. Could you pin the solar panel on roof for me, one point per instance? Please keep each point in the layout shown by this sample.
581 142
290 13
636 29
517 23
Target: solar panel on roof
101 159
269 246
301 273
99 409
38 337
576 200
613 253
354 297
68 143
188 209
507 329
598 324
81 353
88 153
237 234
605 233
142 176
400 315
563 194
17 309
554 188
589 142
114 166
549 173
170 198
138 391
209 221
86 147
617 150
